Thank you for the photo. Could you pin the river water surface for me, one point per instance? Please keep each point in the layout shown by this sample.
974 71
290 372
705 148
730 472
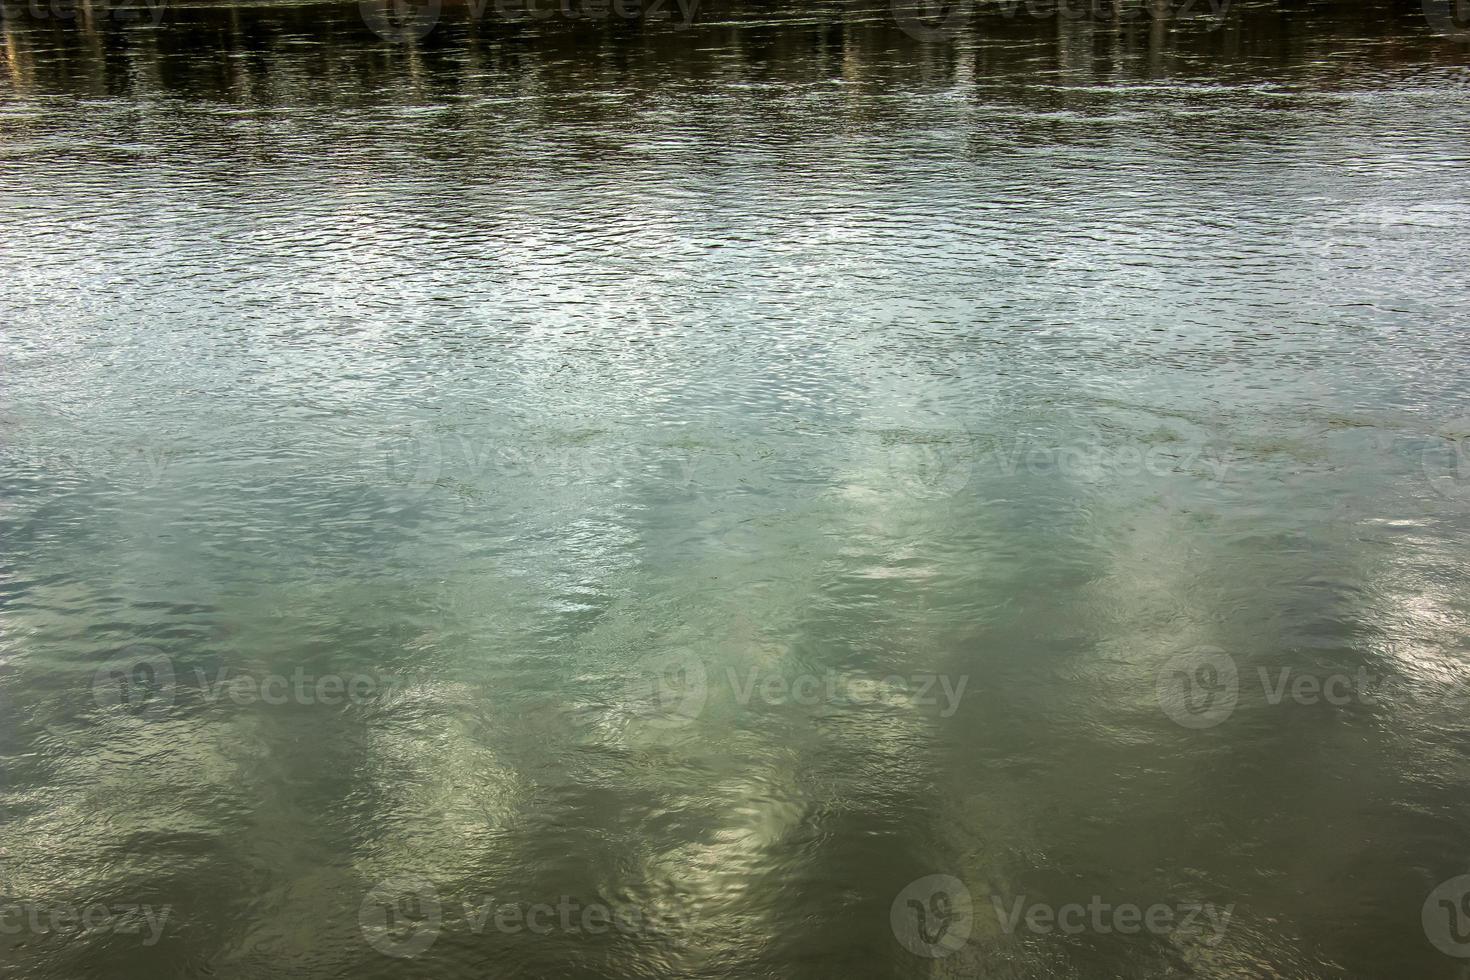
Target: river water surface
595 498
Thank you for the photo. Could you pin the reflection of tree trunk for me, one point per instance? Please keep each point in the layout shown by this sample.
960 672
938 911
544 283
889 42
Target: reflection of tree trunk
89 28
1156 32
12 54
1061 42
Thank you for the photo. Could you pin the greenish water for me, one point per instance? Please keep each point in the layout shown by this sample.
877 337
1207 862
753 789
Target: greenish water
600 499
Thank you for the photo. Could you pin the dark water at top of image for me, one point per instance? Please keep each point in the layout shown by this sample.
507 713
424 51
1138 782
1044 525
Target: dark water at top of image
765 491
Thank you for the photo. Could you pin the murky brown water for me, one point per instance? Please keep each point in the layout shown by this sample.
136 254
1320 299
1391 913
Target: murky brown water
600 497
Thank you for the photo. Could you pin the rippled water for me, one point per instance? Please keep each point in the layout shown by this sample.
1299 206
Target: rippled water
601 499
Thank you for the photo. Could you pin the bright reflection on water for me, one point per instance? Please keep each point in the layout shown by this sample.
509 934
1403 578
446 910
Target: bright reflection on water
704 482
